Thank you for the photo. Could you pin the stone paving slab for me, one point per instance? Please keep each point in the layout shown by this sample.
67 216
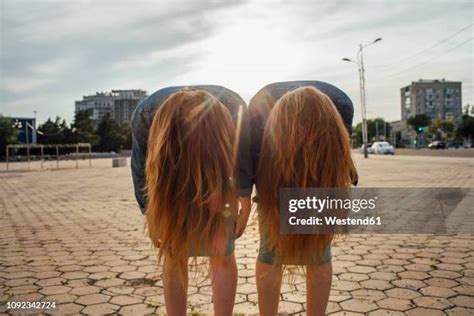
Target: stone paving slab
76 237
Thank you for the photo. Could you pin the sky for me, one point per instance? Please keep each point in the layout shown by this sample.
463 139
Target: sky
54 52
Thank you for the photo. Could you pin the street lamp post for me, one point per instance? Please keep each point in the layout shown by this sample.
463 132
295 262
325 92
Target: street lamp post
376 131
360 66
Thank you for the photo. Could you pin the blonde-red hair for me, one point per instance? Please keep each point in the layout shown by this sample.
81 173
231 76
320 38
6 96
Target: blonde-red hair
305 144
189 177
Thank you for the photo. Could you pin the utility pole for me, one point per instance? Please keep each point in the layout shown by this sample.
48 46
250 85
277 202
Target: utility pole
27 143
376 130
360 65
364 108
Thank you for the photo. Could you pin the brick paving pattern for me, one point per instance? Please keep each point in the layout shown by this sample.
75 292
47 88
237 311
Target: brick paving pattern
76 237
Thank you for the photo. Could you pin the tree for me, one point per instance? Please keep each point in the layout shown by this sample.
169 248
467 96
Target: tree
441 129
84 130
374 128
113 136
419 122
128 142
8 134
467 109
53 132
466 128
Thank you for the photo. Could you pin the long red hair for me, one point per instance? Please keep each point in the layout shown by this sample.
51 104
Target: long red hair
305 144
189 177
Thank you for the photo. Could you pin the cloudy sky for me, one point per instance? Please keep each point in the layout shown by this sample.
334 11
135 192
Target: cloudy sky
54 52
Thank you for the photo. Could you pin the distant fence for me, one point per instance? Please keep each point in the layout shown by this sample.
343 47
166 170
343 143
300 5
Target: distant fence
74 152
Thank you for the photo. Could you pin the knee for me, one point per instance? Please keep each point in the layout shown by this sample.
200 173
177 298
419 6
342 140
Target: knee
225 263
319 273
266 271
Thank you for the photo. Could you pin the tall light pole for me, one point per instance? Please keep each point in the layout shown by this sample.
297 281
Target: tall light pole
34 140
360 65
376 131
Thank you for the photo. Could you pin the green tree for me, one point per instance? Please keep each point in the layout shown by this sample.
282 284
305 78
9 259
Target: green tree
113 136
83 130
376 127
467 109
53 132
8 134
419 122
128 142
466 128
441 129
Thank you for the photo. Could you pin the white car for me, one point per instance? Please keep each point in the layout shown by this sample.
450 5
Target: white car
369 149
383 148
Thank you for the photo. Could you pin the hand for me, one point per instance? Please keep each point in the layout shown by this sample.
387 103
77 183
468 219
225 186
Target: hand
241 223
243 217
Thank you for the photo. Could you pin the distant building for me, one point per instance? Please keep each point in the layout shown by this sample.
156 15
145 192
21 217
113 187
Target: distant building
119 103
26 129
97 105
126 104
437 99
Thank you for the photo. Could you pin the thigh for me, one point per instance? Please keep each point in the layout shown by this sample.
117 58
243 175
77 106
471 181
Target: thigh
267 255
195 251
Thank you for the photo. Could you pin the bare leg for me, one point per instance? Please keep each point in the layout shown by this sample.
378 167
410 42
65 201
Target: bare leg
268 279
224 285
318 286
175 293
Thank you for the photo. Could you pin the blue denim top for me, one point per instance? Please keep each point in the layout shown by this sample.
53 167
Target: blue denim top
142 118
262 103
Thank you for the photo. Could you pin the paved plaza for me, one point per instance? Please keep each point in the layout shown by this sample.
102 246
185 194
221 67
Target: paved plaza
76 237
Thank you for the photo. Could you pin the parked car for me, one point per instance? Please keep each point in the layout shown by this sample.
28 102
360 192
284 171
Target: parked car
383 148
437 144
455 144
369 148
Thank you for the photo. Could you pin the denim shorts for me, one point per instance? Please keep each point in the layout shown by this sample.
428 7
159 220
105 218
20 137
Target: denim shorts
229 248
268 256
